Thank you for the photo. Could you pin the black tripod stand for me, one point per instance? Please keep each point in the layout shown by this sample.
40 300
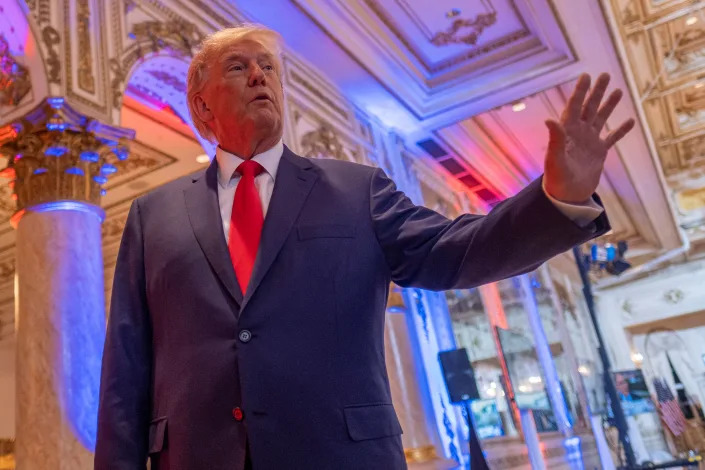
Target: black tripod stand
477 458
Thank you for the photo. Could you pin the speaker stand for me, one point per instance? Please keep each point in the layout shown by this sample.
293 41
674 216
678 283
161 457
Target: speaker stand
477 457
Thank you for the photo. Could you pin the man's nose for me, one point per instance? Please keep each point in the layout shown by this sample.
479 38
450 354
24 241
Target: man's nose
257 75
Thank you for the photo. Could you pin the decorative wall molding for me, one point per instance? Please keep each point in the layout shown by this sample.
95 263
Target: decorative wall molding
86 80
322 143
51 39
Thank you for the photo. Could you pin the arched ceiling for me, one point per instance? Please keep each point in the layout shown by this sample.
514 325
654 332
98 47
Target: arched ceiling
159 82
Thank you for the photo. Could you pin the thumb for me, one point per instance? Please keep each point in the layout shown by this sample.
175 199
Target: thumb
556 137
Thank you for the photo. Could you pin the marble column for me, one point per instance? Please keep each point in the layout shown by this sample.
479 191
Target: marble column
407 384
543 351
58 160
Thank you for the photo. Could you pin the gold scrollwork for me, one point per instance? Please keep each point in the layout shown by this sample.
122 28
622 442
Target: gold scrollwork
116 83
51 38
86 80
453 34
322 143
178 35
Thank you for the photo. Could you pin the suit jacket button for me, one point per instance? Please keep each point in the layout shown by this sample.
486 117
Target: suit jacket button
237 414
245 336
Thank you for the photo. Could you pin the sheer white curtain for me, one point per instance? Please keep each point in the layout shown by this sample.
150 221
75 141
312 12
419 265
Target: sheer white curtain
658 348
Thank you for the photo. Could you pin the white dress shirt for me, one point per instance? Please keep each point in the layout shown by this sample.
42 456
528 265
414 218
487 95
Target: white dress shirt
228 179
581 214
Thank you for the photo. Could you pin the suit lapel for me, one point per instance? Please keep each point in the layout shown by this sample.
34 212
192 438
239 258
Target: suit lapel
204 214
295 178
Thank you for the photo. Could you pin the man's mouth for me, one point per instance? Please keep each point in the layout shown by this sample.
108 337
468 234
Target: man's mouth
262 97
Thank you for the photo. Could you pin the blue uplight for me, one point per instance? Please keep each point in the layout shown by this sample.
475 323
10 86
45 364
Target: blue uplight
108 169
90 156
57 126
39 171
55 151
74 171
573 452
55 102
100 179
121 153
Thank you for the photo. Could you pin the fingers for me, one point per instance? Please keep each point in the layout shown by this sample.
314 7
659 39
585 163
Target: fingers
617 134
606 109
575 102
595 98
556 137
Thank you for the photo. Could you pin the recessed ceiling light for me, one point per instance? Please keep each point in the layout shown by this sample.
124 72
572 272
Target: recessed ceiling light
691 20
203 158
452 13
520 106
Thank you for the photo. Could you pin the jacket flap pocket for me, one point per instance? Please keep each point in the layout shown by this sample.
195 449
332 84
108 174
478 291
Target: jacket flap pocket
326 231
371 421
157 435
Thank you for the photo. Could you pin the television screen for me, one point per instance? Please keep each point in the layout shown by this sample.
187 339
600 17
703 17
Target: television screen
632 392
486 418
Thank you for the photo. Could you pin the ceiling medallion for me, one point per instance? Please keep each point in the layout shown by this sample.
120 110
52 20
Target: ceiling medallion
673 296
455 33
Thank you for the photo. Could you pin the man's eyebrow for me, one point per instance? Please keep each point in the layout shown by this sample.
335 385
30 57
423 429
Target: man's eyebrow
236 56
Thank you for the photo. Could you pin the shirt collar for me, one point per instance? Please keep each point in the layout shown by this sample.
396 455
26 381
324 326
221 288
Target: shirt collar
228 162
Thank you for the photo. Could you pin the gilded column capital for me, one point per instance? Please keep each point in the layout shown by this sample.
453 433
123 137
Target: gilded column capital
57 154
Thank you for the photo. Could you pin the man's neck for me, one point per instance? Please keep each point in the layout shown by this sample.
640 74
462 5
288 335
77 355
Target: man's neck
247 150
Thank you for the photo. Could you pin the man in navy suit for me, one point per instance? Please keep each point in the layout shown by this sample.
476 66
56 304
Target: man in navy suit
248 306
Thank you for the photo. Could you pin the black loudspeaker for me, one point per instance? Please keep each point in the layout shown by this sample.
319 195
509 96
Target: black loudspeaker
458 375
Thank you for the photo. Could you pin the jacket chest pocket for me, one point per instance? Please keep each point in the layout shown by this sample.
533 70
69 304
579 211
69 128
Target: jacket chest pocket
313 231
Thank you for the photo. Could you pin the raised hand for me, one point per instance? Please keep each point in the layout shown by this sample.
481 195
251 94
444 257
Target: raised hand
576 151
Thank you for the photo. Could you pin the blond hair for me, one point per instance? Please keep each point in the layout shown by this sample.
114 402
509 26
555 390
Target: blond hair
213 47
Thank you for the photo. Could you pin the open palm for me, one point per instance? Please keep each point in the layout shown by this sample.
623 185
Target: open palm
576 152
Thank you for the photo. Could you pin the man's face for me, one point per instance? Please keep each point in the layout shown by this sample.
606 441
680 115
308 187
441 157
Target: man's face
622 384
244 95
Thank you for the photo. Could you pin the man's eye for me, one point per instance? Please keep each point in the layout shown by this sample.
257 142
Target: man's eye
235 67
269 68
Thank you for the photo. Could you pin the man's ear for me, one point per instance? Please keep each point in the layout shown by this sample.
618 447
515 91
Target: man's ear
201 109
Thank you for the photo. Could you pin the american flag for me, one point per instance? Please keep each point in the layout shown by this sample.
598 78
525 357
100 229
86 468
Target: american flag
670 411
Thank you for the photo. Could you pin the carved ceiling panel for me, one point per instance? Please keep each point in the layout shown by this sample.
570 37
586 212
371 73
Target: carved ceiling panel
426 50
665 47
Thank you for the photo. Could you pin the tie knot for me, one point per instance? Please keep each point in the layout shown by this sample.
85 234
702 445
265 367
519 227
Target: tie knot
249 168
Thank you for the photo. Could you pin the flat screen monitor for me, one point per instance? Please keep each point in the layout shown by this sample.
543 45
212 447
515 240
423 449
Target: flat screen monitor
633 392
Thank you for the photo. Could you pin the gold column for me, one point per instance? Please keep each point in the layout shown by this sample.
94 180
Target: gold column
57 160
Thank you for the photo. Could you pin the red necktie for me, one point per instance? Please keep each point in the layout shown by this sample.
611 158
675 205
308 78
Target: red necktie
246 222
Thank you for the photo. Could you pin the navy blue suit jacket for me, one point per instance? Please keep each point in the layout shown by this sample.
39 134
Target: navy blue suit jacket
301 353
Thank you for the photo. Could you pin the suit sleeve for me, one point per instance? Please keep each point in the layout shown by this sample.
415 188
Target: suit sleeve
123 414
425 249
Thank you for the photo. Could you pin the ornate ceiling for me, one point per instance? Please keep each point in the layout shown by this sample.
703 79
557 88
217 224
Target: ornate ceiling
459 69
664 48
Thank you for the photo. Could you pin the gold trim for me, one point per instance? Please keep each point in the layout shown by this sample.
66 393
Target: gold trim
7 454
420 454
86 80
